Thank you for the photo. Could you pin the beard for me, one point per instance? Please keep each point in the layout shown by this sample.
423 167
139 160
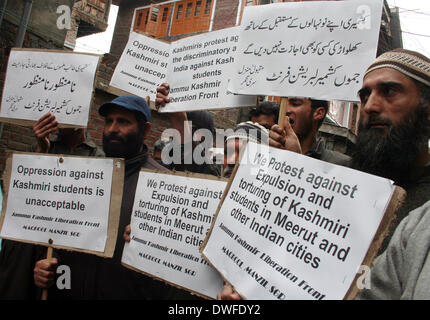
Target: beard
306 128
392 154
125 147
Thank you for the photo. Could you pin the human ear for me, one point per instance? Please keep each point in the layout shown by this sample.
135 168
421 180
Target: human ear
147 129
319 114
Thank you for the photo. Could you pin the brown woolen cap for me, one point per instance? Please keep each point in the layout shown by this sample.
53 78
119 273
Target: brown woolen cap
410 63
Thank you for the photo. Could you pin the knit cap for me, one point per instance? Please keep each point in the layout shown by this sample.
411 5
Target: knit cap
410 63
250 131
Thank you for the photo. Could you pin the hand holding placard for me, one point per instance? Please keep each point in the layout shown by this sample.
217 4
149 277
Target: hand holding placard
58 82
66 199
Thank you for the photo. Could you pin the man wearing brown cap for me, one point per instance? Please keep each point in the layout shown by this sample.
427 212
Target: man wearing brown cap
394 124
393 142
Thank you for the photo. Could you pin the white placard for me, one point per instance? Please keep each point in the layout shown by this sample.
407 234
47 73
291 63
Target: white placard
200 70
38 82
293 227
170 219
66 200
316 49
142 66
197 69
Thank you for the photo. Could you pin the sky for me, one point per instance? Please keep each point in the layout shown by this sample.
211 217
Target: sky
414 18
99 42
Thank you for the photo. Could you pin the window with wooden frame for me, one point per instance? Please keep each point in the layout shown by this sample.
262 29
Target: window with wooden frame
184 16
191 16
153 20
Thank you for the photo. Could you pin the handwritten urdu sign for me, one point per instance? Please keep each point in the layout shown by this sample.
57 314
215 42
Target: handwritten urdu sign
197 69
293 227
170 218
42 81
71 200
317 49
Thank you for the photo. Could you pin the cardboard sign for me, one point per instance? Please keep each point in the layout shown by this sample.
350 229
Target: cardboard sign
42 81
75 201
171 216
200 70
197 68
316 49
293 227
142 66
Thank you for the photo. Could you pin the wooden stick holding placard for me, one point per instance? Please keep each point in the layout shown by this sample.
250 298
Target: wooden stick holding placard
49 258
282 111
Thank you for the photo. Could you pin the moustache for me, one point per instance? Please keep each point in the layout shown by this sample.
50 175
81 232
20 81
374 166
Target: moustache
375 120
111 137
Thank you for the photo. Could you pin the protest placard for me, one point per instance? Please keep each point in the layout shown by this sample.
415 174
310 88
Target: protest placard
200 70
74 201
197 69
316 49
142 66
293 227
42 81
171 216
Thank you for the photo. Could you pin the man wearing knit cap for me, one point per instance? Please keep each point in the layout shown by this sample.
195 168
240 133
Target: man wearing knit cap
394 125
393 142
236 141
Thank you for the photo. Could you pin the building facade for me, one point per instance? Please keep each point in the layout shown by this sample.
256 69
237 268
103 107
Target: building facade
167 20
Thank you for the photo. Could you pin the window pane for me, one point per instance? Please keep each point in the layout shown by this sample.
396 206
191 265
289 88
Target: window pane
154 14
165 10
189 9
198 8
208 6
179 12
139 19
146 17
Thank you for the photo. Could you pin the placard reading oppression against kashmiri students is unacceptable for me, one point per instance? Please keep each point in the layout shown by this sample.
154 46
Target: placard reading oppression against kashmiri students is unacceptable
66 199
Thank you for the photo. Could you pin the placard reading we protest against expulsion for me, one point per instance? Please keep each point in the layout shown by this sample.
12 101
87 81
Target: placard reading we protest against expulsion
197 69
171 216
317 49
75 201
293 227
42 81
